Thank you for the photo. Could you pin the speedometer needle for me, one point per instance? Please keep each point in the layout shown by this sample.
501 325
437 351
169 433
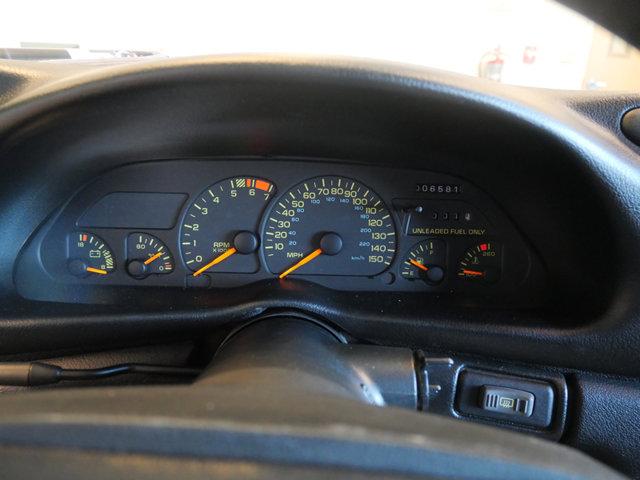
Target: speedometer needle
418 264
303 261
215 261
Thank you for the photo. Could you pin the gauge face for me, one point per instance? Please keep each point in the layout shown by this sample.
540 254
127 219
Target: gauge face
219 231
147 255
426 261
481 263
329 226
88 255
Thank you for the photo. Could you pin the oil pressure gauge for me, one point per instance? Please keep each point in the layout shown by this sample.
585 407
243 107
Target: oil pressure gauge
147 255
426 261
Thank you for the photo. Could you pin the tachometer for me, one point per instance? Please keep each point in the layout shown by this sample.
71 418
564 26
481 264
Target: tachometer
219 231
329 226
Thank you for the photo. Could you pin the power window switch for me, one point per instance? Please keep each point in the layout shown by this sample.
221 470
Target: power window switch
506 400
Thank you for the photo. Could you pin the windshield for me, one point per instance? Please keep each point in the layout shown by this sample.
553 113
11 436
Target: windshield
522 42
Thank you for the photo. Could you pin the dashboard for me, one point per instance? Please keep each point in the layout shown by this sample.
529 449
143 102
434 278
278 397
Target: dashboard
223 223
523 229
520 204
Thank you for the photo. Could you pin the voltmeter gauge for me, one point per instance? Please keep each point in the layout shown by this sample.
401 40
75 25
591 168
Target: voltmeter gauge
481 263
88 254
426 261
147 255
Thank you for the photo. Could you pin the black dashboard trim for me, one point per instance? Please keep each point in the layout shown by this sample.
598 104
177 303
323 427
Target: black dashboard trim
62 121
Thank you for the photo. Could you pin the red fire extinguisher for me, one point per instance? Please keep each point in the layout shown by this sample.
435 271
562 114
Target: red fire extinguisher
529 55
491 64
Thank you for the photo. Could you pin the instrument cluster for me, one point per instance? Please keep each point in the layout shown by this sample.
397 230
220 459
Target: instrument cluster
215 224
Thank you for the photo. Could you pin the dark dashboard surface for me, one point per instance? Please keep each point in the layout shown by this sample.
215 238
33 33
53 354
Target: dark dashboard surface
521 204
550 176
223 223
536 191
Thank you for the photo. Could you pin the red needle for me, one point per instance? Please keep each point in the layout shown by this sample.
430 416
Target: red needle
474 273
151 259
216 260
418 264
302 262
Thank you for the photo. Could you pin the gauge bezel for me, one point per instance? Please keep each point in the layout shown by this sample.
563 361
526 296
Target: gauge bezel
298 186
273 191
499 260
187 176
444 255
105 245
168 251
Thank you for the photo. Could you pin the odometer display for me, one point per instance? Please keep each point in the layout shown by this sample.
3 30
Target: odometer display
340 215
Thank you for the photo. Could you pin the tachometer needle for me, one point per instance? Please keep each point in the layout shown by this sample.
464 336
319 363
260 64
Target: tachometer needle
302 262
473 273
96 270
415 263
151 259
215 261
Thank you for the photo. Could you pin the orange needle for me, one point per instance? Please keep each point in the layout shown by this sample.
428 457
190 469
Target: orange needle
96 270
418 264
302 262
473 272
215 261
151 259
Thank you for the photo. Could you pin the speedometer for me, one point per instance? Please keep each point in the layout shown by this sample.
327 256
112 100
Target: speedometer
329 226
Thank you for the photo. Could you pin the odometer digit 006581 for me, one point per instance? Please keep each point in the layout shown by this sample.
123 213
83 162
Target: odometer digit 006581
329 226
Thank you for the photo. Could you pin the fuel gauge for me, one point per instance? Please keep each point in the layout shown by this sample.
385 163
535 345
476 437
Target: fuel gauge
147 255
426 261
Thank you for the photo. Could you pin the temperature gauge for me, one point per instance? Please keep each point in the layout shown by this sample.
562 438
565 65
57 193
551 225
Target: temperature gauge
88 255
481 263
147 255
426 261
